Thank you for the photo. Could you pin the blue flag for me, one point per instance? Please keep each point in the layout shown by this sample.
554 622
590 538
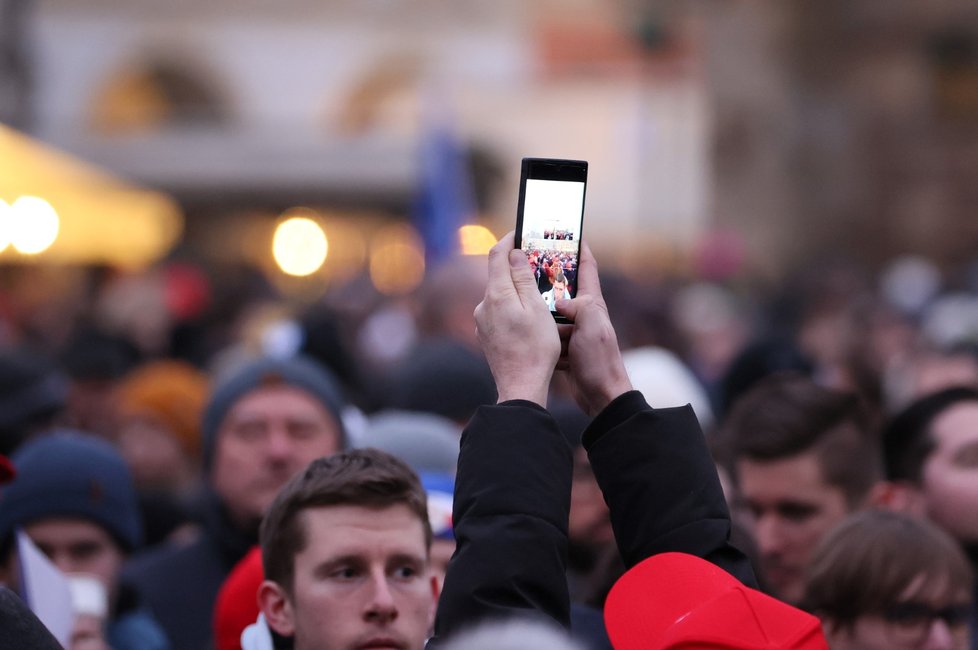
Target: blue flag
445 199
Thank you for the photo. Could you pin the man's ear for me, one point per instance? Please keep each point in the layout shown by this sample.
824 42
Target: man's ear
899 496
276 607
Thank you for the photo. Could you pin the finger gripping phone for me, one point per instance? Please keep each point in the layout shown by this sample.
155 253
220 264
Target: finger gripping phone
549 220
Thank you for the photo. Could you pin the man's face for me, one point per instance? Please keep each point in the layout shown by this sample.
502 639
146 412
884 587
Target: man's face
589 523
791 507
78 546
268 436
361 582
559 288
950 474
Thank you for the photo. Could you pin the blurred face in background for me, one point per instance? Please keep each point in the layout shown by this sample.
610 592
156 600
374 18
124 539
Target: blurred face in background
950 474
790 507
590 522
77 546
269 435
154 454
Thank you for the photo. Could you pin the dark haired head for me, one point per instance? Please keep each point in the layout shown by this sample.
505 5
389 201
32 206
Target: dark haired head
868 563
907 440
369 478
788 414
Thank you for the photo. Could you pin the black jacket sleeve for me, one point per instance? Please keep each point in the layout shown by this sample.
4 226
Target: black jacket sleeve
512 498
661 484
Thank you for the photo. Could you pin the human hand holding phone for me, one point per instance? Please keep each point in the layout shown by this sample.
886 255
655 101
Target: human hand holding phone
590 354
518 337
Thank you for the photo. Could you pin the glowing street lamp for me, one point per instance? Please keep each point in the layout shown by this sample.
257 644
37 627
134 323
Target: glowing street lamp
34 225
299 246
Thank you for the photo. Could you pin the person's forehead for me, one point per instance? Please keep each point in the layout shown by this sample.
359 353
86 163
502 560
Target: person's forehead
278 399
67 530
800 475
343 528
956 426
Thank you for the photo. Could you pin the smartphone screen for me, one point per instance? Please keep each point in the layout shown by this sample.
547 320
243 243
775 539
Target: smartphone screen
549 220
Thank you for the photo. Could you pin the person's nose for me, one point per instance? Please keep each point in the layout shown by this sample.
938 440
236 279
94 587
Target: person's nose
769 535
939 636
63 561
279 445
381 607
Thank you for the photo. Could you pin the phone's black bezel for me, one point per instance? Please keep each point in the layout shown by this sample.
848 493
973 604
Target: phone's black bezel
551 169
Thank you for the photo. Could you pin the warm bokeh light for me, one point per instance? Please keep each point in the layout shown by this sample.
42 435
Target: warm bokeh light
397 260
34 225
6 216
347 247
475 239
299 246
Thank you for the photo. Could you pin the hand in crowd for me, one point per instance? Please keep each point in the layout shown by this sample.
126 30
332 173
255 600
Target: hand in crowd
517 333
590 352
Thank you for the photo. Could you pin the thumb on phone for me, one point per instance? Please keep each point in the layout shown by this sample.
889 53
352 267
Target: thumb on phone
572 308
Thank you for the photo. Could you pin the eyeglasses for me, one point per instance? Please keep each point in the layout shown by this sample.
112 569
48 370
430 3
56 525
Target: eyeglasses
910 621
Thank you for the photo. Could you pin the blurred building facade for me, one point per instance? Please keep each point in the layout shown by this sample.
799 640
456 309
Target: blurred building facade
805 129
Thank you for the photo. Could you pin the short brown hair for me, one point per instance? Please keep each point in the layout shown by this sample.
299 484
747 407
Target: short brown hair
361 477
872 557
788 414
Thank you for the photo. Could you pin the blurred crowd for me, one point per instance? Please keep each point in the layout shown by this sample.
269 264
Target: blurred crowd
151 418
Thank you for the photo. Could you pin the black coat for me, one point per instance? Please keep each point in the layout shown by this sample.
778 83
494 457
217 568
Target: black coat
512 499
179 584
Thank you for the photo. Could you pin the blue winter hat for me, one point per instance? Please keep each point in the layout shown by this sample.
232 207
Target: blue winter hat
297 371
72 474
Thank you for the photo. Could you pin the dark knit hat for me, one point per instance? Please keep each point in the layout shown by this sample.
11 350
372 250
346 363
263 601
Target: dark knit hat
298 371
72 474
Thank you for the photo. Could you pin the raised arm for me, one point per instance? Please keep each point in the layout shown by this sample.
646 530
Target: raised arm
512 490
652 465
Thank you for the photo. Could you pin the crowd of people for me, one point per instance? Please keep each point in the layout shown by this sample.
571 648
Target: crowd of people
685 463
559 233
550 264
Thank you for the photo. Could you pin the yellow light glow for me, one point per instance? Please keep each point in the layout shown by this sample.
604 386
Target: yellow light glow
397 260
475 239
6 216
299 246
34 225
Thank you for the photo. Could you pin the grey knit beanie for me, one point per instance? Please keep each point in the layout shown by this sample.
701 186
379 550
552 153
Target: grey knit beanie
298 371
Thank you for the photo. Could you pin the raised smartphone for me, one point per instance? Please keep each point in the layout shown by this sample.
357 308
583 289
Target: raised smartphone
549 220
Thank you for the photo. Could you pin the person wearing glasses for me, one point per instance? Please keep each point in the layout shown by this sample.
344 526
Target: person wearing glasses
887 580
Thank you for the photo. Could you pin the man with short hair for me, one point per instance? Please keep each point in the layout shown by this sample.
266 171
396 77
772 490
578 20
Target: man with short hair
802 458
557 292
930 450
346 550
266 421
931 454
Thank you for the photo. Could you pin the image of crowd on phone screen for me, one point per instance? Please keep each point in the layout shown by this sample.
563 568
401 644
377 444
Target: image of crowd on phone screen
555 272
